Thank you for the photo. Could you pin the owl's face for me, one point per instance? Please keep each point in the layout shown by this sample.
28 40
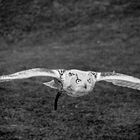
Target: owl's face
78 83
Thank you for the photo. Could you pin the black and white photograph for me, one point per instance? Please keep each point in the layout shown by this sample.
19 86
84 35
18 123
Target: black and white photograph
69 69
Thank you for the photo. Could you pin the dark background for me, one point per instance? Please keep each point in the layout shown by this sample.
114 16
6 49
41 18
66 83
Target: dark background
97 35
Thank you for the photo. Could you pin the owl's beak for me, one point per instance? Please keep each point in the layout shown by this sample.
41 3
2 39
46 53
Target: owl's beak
85 86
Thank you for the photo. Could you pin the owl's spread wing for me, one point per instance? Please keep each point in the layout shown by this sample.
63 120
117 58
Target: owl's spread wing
119 79
31 73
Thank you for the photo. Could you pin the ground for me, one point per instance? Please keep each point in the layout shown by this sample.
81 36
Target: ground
109 112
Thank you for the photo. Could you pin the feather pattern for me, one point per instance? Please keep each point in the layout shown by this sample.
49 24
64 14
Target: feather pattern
120 80
30 73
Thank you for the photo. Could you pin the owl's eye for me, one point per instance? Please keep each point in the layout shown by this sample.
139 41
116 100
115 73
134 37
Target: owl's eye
89 80
78 81
70 74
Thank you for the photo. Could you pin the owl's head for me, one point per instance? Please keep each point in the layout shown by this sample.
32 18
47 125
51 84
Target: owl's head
78 83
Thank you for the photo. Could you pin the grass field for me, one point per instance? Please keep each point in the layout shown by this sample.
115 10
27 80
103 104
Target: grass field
108 113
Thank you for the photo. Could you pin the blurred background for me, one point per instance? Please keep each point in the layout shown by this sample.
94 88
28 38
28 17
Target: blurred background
97 35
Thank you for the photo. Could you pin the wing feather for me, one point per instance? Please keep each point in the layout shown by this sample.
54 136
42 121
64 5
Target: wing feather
31 73
119 79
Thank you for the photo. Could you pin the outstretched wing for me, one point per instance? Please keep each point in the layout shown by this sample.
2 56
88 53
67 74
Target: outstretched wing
119 79
31 73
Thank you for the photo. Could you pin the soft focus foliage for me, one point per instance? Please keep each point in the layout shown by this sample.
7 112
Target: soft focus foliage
21 17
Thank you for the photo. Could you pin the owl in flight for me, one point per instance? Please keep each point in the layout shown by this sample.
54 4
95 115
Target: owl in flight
74 82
